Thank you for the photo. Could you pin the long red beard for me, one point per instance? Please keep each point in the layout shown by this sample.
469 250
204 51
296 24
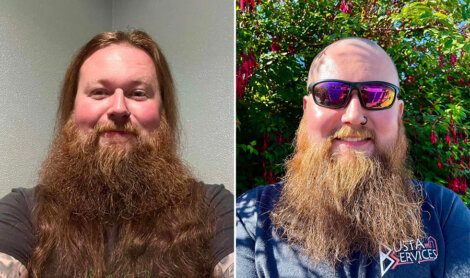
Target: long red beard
332 206
117 210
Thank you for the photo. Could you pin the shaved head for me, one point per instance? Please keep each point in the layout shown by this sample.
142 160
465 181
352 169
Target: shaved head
364 58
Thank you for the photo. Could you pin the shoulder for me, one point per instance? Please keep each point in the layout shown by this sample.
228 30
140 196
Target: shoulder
16 228
21 195
442 200
262 198
221 201
451 213
19 203
255 206
217 195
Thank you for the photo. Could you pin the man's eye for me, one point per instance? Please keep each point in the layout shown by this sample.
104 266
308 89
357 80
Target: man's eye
98 94
139 94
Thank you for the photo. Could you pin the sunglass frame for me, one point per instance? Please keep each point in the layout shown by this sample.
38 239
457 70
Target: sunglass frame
353 85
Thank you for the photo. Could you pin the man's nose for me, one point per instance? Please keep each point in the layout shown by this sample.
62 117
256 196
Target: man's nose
354 113
118 111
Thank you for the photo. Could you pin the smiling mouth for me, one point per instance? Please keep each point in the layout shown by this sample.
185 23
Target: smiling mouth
353 139
116 137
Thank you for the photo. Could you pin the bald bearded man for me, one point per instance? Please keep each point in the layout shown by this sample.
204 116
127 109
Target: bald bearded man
348 205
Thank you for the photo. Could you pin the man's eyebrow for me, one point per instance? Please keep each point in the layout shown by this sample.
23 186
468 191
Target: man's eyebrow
137 82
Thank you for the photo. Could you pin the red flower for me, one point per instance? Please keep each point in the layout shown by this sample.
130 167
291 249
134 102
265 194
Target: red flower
453 59
409 80
439 164
454 130
441 61
447 139
450 78
244 73
433 137
265 142
458 185
346 7
242 5
248 5
463 185
290 49
275 44
461 81
451 160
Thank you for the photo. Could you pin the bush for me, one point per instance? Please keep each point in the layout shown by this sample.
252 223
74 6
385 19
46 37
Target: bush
428 40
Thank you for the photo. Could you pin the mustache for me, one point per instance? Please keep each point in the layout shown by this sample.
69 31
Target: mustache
347 131
128 127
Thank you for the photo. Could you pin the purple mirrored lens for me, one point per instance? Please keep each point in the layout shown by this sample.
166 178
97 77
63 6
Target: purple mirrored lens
331 93
377 95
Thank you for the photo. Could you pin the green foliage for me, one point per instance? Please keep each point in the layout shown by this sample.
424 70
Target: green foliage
428 40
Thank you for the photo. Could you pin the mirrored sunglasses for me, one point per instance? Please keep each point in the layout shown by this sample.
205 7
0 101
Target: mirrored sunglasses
373 95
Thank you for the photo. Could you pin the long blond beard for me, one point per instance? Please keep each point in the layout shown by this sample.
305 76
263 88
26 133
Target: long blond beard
332 206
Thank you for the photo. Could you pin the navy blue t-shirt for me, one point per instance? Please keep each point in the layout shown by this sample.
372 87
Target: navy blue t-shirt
444 252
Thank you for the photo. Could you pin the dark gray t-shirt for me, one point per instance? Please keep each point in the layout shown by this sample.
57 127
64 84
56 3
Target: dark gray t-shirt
445 252
17 237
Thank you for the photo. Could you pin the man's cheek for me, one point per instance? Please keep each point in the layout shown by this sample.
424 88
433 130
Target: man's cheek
148 117
85 117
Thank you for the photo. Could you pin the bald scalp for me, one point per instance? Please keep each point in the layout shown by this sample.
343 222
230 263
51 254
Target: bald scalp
366 53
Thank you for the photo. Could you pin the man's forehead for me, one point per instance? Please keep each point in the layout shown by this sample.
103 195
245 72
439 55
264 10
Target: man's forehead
359 55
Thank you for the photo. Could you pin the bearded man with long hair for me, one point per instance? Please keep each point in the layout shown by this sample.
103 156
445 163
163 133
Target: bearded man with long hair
114 198
348 205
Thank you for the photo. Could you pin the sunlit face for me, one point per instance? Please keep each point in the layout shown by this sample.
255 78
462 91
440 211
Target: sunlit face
354 61
118 85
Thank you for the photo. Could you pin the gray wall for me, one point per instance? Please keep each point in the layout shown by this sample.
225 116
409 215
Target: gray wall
38 38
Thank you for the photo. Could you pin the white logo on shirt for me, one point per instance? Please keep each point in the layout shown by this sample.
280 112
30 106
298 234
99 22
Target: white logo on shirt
409 252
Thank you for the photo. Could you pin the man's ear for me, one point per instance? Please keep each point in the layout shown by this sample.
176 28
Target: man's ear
401 107
306 99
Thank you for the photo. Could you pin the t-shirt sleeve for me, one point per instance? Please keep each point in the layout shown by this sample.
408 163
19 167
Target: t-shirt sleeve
16 229
245 231
221 200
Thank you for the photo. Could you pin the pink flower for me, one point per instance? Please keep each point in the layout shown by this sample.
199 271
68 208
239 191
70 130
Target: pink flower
453 59
433 137
447 139
346 7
